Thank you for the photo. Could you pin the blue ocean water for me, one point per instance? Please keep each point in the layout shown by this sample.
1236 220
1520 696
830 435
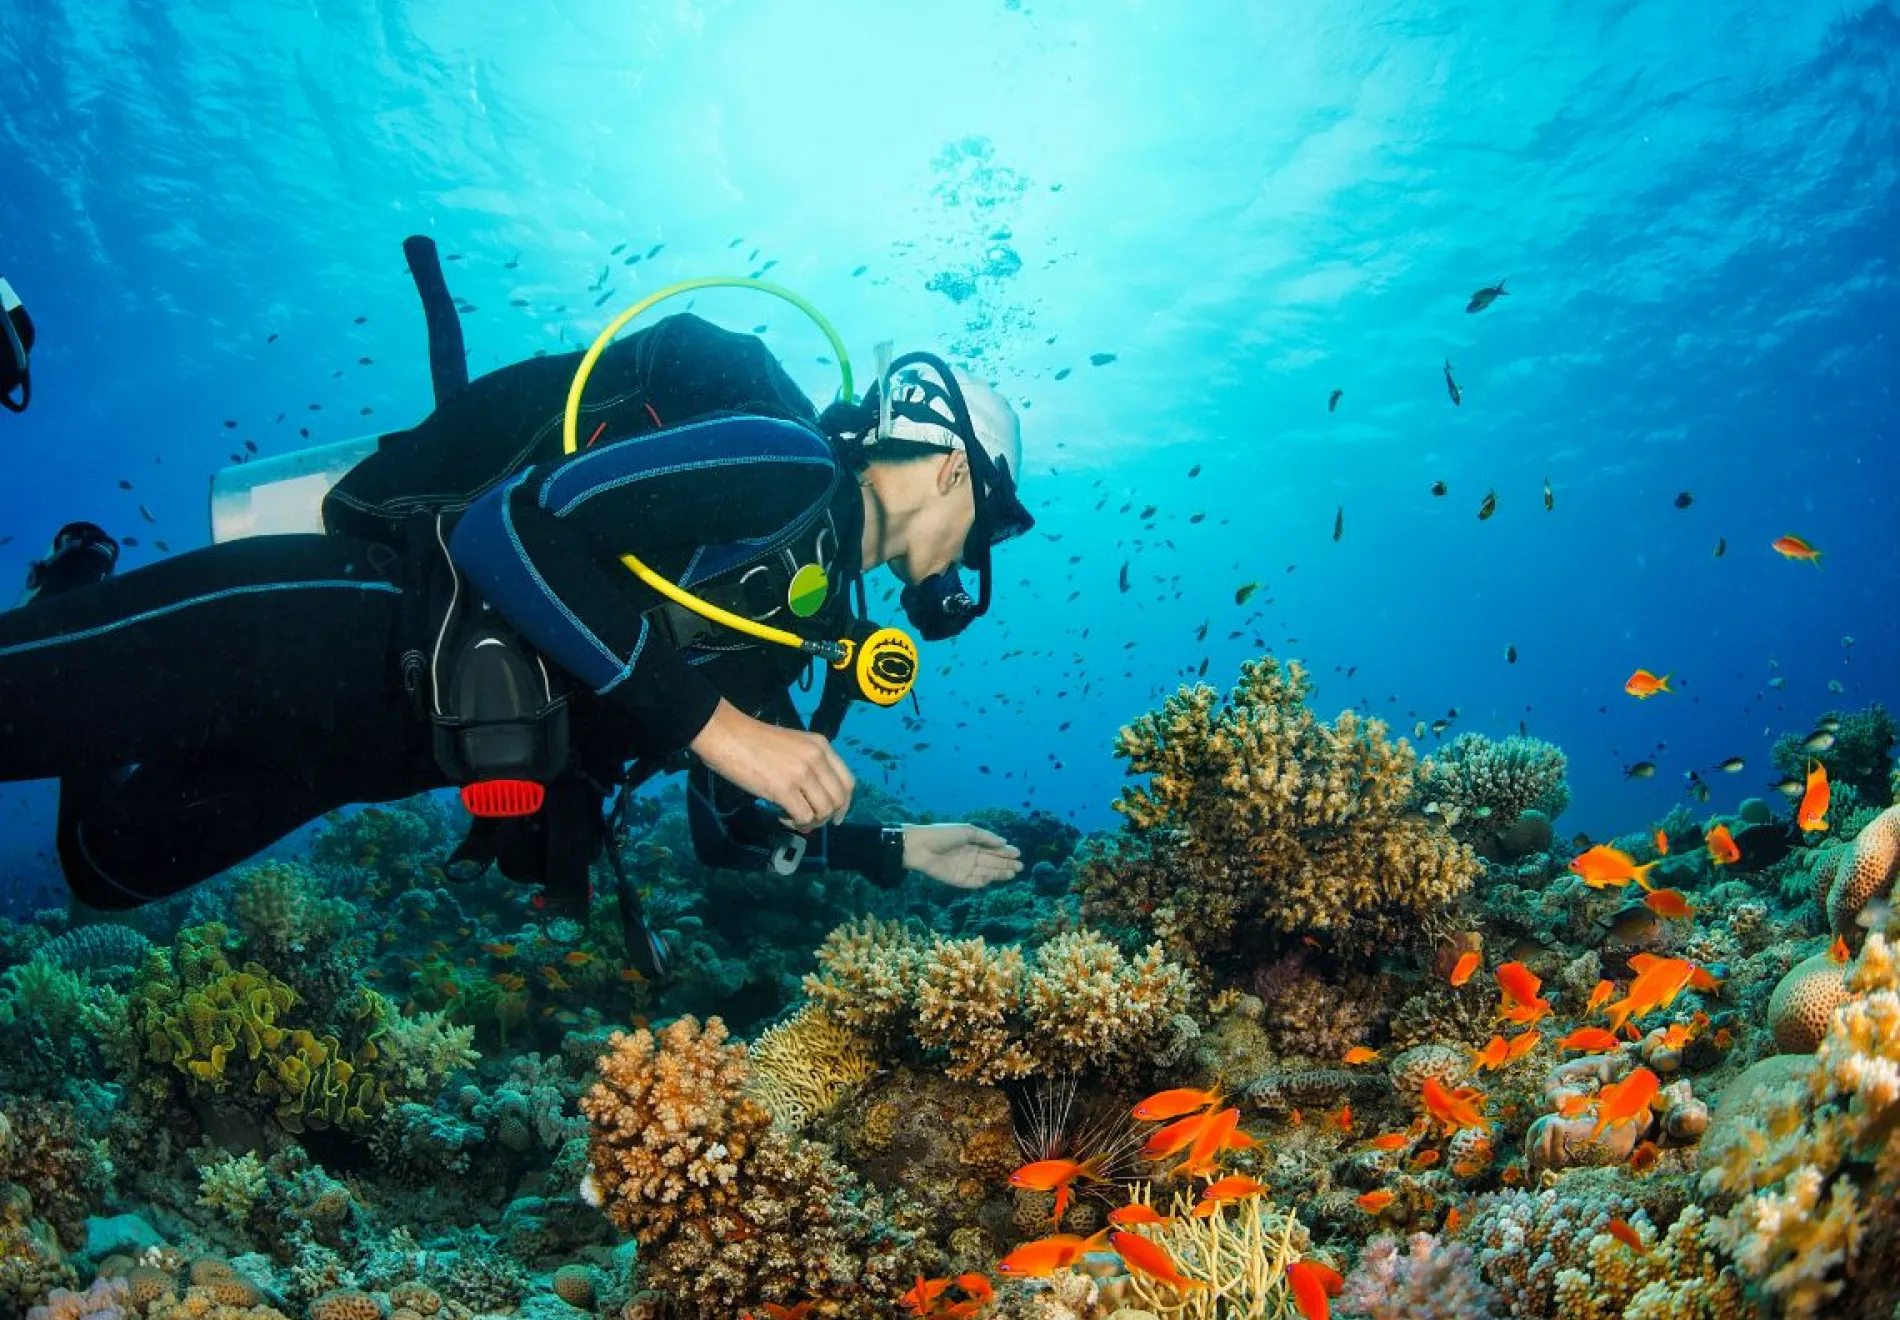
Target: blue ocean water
1248 206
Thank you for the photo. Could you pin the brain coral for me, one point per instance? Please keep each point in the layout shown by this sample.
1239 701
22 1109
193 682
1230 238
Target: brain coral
1257 819
1862 872
1803 1002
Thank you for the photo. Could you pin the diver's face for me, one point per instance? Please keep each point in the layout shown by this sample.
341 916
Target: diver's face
942 522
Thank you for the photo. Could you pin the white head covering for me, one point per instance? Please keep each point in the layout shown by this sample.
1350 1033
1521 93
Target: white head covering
921 412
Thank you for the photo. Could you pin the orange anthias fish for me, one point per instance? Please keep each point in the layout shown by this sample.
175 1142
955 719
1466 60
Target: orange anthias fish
1493 1055
1620 1230
1575 1104
1624 1101
798 1312
1175 1137
1341 1118
1838 951
1172 1104
1793 547
1604 866
1811 815
1360 1054
1058 1176
1521 1045
1643 685
1467 964
1309 1289
1588 1038
1644 1157
1454 1109
1044 1256
1142 1256
1129 1216
1426 1158
1210 1142
1234 1187
1600 995
1390 1141
1669 903
1373 1202
1676 1035
1658 982
1722 849
1520 1004
1662 843
499 950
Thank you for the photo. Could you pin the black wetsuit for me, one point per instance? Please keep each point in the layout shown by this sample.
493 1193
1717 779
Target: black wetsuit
201 708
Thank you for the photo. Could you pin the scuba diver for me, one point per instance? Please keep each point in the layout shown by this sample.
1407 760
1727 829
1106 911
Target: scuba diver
461 621
16 344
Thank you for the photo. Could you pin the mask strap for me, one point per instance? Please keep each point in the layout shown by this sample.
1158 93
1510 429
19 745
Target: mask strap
884 390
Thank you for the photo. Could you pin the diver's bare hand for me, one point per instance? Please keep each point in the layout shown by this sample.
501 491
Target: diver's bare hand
797 772
961 856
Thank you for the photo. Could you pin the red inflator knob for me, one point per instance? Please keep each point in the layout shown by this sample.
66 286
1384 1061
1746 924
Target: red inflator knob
495 798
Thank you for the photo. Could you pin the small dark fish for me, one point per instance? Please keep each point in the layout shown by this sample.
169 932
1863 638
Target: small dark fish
1439 726
1510 655
453 256
271 338
1332 404
1451 386
229 424
633 260
517 302
512 262
1063 373
655 250
146 514
1100 359
603 298
304 431
364 412
617 249
362 320
1439 488
124 484
1721 546
1792 786
1641 770
129 540
316 407
1124 575
1819 741
1697 788
1488 506
1339 522
1202 671
1483 298
161 547
1761 846
1245 592
859 270
1194 471
1147 512
365 362
237 458
1733 766
1550 496
759 329
735 243
1684 500
1196 517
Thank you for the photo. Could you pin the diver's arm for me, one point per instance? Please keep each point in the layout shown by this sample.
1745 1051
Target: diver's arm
543 550
733 830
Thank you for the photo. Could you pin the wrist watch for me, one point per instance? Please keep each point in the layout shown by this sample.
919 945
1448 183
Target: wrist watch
890 852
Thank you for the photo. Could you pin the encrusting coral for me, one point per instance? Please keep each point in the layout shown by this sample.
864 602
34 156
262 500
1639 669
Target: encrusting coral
728 1211
1257 819
1813 1168
1076 1002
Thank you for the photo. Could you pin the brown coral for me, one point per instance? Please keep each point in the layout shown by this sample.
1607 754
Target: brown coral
345 1304
1803 1002
1257 817
1864 871
574 1284
1446 1064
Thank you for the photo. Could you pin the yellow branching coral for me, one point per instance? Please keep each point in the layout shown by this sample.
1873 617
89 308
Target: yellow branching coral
1241 1254
1816 1163
1090 1005
1077 1002
1254 814
802 1067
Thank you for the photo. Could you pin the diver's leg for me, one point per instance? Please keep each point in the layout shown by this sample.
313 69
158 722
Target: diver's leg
160 829
284 636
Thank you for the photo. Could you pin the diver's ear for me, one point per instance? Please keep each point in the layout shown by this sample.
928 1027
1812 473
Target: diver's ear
953 472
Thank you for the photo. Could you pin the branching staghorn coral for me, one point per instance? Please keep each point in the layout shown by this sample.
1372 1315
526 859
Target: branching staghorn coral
1076 1002
1241 1254
1816 1162
1256 818
729 1212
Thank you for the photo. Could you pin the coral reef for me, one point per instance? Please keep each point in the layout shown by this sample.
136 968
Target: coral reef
995 1014
1435 1280
1810 1168
1480 788
1861 757
1857 875
729 1211
802 1067
1803 1003
1258 820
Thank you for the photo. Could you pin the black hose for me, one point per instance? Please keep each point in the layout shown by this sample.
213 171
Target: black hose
448 360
